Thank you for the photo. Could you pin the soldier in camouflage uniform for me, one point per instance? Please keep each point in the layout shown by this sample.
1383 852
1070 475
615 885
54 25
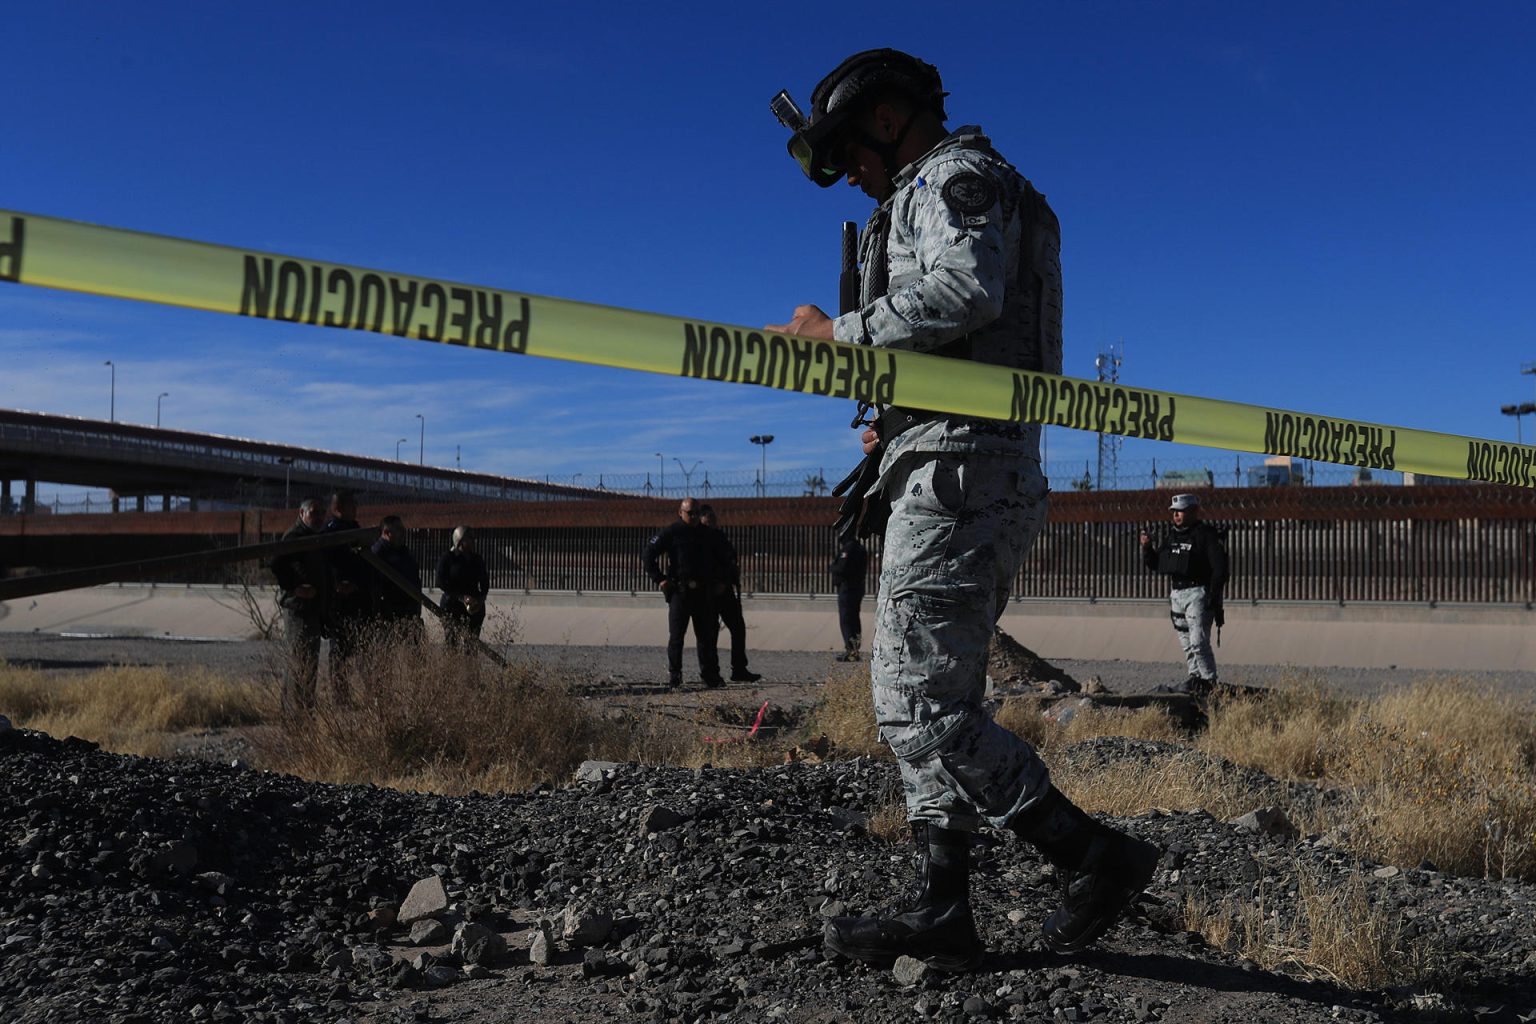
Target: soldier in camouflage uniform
960 259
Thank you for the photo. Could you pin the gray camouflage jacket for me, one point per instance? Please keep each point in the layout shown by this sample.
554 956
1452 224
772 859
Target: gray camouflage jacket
955 279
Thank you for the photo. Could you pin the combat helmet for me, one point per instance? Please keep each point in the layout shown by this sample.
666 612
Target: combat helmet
818 140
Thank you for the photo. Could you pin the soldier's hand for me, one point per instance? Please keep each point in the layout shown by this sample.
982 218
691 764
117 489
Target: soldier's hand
304 592
871 440
1146 539
808 322
665 586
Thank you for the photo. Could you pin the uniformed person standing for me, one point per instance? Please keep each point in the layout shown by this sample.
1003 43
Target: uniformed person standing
1195 560
348 612
304 588
397 611
848 570
728 601
691 583
961 259
462 577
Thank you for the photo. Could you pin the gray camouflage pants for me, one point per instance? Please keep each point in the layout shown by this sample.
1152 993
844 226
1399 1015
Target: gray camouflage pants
1192 616
959 528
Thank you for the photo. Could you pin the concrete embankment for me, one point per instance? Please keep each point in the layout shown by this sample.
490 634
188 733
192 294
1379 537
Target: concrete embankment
1437 638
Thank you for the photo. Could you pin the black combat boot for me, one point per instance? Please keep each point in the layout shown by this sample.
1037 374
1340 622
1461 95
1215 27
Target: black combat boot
933 924
1101 870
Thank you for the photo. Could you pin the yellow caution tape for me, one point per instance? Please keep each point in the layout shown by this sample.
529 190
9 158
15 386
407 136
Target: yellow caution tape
153 268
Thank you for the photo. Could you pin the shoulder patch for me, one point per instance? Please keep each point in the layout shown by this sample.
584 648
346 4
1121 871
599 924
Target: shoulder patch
969 193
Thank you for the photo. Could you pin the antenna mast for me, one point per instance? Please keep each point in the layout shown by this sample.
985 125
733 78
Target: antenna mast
1107 363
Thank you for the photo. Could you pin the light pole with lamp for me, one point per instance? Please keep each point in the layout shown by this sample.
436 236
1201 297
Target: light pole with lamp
663 462
112 408
687 474
1523 409
421 455
397 448
163 394
763 440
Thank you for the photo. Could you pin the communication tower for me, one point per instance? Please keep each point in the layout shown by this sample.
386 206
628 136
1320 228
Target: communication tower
1107 363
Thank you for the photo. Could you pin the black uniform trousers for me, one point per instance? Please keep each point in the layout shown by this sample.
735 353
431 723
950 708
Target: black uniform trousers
694 604
459 623
849 600
302 629
729 605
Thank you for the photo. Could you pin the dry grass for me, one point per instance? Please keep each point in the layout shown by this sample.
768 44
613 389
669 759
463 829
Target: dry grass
1442 771
1446 772
889 822
1021 716
434 719
129 710
1298 731
1180 784
845 714
1324 929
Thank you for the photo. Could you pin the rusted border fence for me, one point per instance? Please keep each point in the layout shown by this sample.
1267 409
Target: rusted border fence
1447 544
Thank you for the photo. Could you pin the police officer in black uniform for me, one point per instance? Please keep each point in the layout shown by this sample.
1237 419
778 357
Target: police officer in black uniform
304 584
348 611
692 583
729 600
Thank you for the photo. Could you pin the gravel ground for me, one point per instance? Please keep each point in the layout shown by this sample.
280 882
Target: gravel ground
137 890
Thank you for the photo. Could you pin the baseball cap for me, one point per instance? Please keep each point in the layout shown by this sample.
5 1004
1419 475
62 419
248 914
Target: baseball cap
1182 502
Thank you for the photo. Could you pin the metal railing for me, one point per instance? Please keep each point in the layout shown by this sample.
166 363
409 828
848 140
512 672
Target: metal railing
1454 544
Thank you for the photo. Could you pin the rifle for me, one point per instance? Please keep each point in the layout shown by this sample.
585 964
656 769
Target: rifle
851 521
848 276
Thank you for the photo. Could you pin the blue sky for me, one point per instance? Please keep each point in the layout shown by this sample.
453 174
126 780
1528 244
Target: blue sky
1326 207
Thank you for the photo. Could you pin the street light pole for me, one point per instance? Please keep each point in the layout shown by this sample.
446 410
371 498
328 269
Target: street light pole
397 448
763 440
663 462
163 394
287 461
1517 411
421 456
112 408
687 474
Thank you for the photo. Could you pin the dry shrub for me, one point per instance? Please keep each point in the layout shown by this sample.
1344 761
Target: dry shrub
1149 723
846 716
1023 716
432 718
1296 731
889 822
1184 782
129 710
1329 929
1443 771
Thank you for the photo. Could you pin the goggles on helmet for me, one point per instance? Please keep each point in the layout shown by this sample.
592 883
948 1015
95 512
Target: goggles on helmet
816 147
818 143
